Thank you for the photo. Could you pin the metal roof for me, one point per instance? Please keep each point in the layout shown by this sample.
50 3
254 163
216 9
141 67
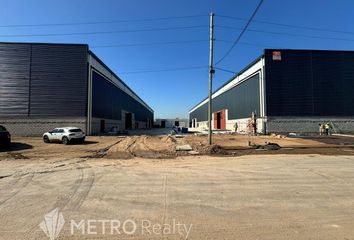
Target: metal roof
231 79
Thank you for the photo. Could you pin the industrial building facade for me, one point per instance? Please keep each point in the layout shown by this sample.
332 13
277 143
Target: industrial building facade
289 90
171 122
43 86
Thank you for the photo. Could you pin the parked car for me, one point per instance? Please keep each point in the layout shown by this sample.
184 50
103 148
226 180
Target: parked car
65 135
5 137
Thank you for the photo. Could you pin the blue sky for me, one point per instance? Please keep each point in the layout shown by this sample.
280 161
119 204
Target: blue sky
171 94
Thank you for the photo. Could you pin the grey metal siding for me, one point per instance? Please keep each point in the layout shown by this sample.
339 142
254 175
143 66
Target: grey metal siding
14 79
201 113
240 101
310 83
108 101
58 80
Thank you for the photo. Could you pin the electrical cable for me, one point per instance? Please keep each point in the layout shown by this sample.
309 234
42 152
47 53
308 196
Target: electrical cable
290 25
225 70
290 34
242 32
100 22
106 32
148 44
165 70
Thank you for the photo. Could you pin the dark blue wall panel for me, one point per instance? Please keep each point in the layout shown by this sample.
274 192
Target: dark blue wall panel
310 83
14 79
59 80
240 101
108 101
43 79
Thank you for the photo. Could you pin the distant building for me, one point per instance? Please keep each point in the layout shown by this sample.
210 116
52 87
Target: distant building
289 90
169 123
54 85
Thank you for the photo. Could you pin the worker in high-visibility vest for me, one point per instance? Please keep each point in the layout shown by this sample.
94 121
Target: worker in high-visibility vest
328 127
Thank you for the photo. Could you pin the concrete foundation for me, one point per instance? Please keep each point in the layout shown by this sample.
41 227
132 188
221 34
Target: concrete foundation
308 125
169 123
110 123
286 125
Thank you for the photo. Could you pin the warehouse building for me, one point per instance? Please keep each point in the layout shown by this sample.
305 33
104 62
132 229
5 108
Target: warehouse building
171 122
289 90
43 86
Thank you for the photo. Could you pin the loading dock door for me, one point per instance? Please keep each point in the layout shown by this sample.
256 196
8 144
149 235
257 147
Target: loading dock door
220 120
102 126
194 122
128 121
163 124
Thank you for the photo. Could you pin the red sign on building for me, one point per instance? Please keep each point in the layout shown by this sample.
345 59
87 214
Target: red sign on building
276 56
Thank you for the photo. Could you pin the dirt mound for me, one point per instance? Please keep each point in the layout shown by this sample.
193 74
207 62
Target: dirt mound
17 155
142 146
168 139
269 146
210 150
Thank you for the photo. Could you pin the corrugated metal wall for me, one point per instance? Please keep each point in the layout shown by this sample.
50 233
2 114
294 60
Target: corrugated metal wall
310 83
43 79
14 79
59 80
110 104
240 101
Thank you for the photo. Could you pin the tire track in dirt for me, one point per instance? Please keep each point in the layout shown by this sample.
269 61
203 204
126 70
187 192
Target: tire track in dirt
83 191
17 186
79 191
164 216
65 199
131 145
146 145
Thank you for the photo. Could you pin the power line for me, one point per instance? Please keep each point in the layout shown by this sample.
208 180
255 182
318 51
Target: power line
148 44
290 34
165 70
225 70
103 32
290 25
176 42
247 43
242 32
100 22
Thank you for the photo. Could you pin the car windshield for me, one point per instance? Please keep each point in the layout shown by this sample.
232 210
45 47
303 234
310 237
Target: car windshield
75 130
2 128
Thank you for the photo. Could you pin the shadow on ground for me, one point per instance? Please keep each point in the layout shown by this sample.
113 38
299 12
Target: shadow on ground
336 140
75 143
16 146
85 143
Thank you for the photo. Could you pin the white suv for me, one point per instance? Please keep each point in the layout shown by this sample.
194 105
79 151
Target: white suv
64 135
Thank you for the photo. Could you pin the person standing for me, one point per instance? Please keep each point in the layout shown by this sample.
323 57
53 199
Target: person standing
328 127
321 128
254 123
235 127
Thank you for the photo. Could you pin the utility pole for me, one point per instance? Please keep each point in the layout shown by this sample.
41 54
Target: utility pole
211 71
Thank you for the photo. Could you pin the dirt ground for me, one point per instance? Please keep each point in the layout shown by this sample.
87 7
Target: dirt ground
246 197
221 195
164 146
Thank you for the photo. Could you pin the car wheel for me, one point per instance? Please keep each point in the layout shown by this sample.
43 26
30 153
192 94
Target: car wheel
65 141
46 139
